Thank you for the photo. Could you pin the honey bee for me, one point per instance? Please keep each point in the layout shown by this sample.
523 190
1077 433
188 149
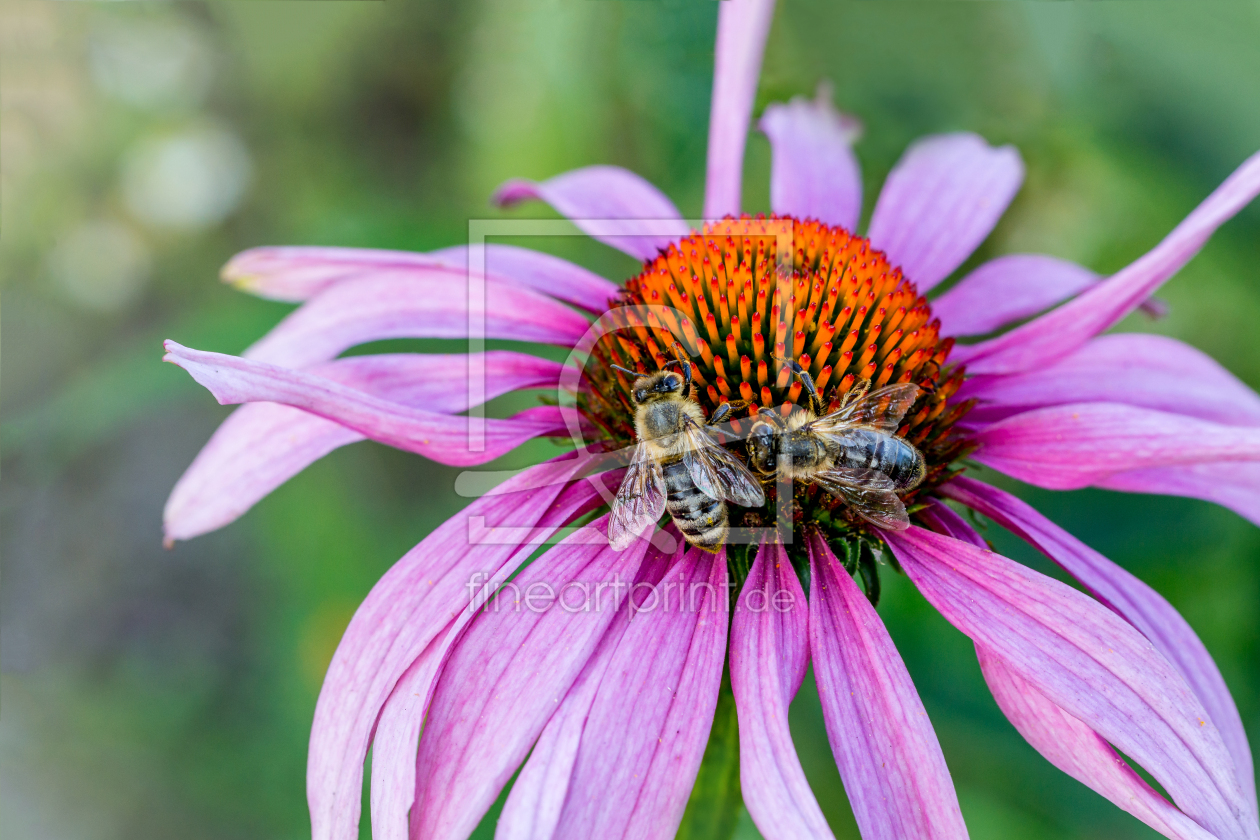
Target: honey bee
853 453
677 466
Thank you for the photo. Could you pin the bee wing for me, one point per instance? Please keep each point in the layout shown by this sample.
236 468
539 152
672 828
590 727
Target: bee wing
717 472
881 409
640 500
869 492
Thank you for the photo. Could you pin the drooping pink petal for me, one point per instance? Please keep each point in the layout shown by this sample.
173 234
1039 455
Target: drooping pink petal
769 653
394 744
649 721
233 472
262 445
1066 328
1231 484
813 171
508 673
442 437
1132 599
537 798
941 201
611 204
742 29
397 734
1149 371
298 273
1078 751
1071 446
430 302
1007 289
890 761
1088 661
416 604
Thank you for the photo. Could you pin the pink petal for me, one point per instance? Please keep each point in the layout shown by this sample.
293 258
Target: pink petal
1006 290
545 273
647 727
1089 662
742 28
1078 751
1132 599
441 437
1014 287
294 273
394 744
940 518
533 807
421 602
941 201
506 676
1061 331
1149 371
397 732
890 761
1072 446
234 471
813 171
1235 485
610 204
418 303
298 273
769 652
262 445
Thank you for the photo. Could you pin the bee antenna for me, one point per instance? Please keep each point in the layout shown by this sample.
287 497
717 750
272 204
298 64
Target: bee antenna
791 364
626 371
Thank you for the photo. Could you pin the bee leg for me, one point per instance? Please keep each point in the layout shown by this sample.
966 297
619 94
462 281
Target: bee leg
686 371
770 415
855 393
720 414
807 381
929 380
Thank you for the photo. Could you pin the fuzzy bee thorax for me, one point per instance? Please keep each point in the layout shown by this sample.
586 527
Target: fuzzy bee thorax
799 418
659 424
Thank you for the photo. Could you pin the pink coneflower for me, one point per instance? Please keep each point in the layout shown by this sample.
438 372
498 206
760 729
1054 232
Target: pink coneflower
600 670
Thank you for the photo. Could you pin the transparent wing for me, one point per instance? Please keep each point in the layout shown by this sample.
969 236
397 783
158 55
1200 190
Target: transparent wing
717 472
881 409
870 494
640 500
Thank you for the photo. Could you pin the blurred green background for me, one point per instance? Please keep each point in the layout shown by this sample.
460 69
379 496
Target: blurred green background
150 693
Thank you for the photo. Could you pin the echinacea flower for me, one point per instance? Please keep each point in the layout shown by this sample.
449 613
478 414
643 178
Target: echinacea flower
605 701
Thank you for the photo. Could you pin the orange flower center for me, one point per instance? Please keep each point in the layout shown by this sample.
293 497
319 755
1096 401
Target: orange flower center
743 296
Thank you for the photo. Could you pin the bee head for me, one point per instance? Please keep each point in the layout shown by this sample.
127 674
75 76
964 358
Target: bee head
762 449
656 386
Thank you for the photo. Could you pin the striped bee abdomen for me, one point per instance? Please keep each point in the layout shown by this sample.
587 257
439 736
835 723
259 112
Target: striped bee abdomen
872 450
701 519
